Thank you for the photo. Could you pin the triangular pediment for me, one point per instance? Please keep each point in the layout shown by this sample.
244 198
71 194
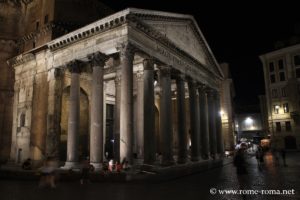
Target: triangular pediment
183 31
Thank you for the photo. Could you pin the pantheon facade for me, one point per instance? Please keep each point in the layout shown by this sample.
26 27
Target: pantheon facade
131 86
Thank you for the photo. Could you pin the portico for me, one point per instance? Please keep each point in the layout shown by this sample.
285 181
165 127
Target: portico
126 60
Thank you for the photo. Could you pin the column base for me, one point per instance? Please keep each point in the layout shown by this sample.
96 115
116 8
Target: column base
181 160
71 165
97 166
167 162
195 159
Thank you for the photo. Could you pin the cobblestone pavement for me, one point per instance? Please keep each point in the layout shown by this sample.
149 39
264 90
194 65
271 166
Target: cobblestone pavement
272 176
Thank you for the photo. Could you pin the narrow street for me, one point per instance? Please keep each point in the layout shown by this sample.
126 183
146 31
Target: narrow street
198 186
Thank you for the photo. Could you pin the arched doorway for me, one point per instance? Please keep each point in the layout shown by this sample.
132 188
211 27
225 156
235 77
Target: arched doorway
83 147
290 142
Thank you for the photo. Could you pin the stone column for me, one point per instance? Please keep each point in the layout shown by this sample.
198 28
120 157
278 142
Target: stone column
194 119
166 116
74 115
212 123
140 114
96 133
149 112
117 115
182 137
204 131
220 143
126 106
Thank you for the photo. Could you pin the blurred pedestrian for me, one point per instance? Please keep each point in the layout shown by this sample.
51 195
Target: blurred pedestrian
283 154
48 173
240 163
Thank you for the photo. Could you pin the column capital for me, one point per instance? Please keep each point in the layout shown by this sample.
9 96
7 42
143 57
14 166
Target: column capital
165 70
202 87
180 77
148 64
97 59
127 50
75 66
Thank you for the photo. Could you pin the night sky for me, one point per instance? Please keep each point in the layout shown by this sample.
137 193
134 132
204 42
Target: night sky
237 33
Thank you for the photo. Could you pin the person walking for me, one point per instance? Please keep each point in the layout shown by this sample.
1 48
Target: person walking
240 163
85 171
283 154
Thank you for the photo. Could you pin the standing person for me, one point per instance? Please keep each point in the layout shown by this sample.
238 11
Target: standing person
260 156
240 163
27 164
283 157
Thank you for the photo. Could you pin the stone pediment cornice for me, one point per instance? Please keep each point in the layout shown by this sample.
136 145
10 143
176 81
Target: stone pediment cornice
136 16
18 60
139 24
174 17
97 27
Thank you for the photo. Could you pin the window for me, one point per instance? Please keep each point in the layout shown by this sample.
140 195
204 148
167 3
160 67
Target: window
288 126
286 108
271 67
276 109
274 93
46 19
278 127
22 120
280 65
33 44
281 76
37 25
283 92
272 78
297 60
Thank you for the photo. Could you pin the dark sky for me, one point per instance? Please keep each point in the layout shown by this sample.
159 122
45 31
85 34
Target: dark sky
237 33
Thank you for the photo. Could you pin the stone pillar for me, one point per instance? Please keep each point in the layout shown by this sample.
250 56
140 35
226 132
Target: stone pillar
182 137
126 106
74 115
204 131
140 114
212 123
96 132
194 119
54 112
117 115
220 143
149 112
166 116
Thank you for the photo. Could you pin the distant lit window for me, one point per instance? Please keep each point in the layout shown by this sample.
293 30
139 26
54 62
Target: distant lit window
274 93
272 78
286 108
280 64
271 67
276 109
283 92
288 126
278 127
281 76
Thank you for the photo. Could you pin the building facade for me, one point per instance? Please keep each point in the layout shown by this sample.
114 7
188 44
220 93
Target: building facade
134 84
282 75
25 25
227 109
